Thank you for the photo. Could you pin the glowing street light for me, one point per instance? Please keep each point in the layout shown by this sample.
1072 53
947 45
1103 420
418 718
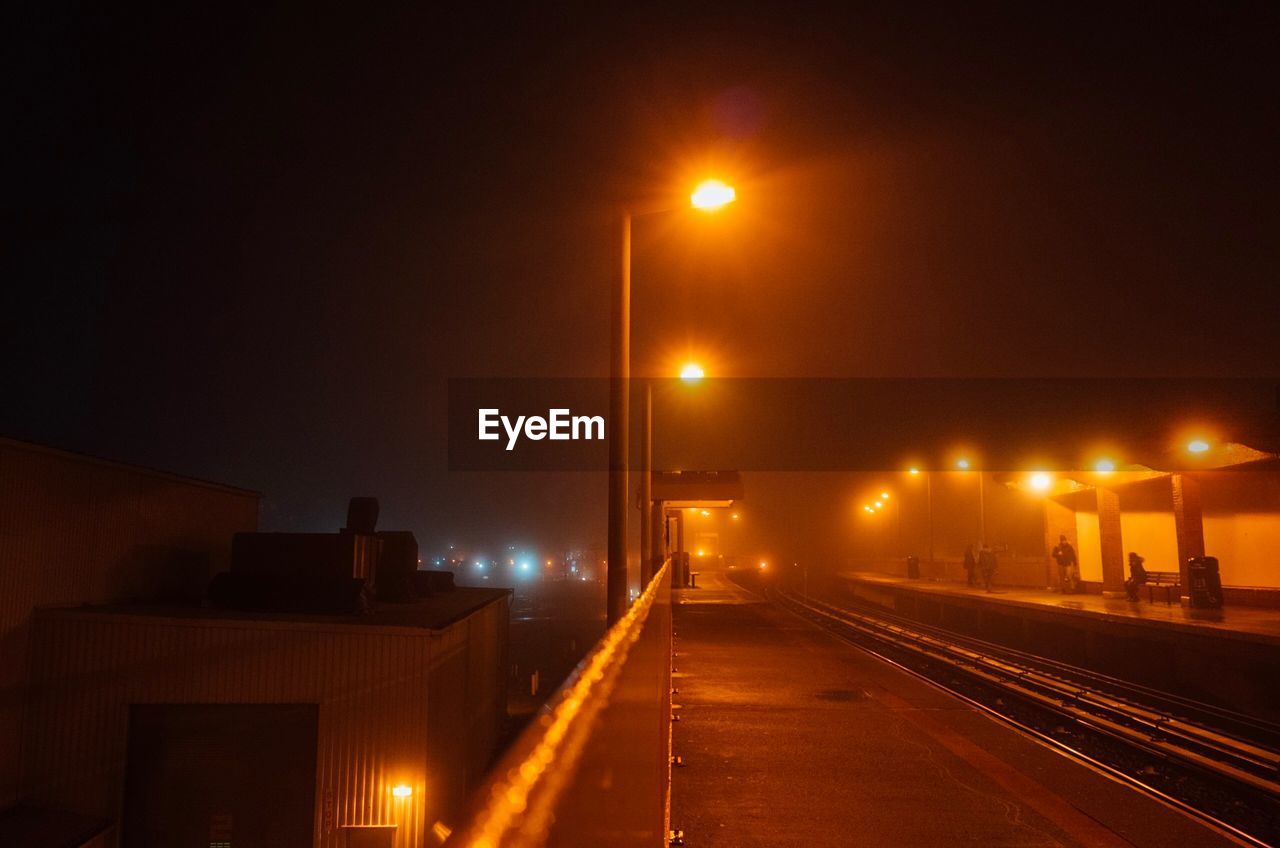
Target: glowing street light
401 790
1197 446
712 195
1040 481
692 372
913 470
1104 466
884 496
962 464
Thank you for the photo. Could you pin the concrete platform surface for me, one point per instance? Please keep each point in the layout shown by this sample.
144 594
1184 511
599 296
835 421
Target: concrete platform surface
791 736
1250 623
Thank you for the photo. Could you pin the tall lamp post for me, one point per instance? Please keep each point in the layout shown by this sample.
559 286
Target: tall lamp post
708 196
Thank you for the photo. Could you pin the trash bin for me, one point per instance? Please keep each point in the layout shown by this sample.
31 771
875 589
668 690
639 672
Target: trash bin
1204 584
913 567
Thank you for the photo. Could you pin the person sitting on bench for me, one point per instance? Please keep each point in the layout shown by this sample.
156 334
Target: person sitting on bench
1137 576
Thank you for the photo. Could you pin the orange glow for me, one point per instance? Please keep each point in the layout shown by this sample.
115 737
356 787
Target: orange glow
692 372
711 195
1040 481
1197 446
706 512
884 496
513 796
962 464
734 516
913 470
401 790
1104 466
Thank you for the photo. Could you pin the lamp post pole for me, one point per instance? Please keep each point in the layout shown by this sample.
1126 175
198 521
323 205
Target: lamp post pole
619 415
708 196
928 483
646 491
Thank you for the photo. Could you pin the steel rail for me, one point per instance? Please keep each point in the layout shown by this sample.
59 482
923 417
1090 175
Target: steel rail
1173 735
1225 828
1132 728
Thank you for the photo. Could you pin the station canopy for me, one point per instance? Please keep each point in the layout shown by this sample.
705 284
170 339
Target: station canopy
698 489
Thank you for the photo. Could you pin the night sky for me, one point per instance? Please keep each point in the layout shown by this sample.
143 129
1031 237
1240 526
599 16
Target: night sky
253 244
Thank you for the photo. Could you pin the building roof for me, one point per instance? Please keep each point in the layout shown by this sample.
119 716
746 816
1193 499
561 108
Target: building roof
434 613
88 459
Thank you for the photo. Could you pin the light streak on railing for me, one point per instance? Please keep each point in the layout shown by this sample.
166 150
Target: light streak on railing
517 804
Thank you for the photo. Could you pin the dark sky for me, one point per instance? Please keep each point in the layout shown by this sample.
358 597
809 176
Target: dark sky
252 244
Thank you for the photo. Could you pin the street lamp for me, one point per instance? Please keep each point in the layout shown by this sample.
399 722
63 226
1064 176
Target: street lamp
707 197
692 372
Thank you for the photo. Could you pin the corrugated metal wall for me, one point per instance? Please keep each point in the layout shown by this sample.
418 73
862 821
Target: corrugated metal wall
393 704
76 530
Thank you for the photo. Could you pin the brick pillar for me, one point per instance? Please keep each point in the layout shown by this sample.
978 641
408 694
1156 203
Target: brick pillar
1188 523
1111 543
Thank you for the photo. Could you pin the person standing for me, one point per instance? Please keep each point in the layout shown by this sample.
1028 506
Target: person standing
1068 567
1137 576
987 565
970 566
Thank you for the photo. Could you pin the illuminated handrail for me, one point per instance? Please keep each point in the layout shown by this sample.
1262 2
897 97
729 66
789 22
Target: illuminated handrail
519 805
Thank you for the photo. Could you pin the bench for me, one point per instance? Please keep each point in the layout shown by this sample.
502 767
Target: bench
1170 581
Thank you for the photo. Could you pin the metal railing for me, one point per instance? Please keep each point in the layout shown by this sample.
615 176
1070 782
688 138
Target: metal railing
594 768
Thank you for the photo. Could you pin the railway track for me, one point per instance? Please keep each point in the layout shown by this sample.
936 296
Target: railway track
1218 766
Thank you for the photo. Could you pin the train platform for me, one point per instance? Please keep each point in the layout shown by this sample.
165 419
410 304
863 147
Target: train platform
790 736
1257 624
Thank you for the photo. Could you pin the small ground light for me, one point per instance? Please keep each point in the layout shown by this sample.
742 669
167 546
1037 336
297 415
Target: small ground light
879 504
763 565
884 496
1197 446
734 516
1041 481
706 512
962 464
913 470
401 790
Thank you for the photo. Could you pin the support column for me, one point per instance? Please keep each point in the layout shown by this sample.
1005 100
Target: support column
656 547
1188 524
1059 520
1111 543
